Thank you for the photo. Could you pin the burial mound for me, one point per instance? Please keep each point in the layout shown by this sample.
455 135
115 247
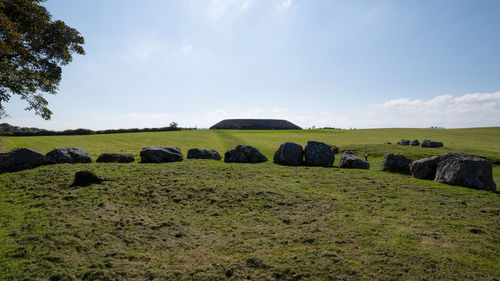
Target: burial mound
255 124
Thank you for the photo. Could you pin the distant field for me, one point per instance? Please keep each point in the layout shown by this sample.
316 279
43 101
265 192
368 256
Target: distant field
478 141
210 220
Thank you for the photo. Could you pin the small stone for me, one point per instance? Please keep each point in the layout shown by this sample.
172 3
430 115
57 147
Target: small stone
404 142
350 160
428 143
85 178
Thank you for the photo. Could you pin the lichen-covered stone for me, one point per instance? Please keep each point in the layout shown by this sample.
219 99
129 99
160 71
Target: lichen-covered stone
465 170
319 154
161 154
244 154
289 154
350 160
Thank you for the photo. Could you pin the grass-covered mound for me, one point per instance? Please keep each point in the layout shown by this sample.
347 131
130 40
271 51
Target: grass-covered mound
206 219
255 124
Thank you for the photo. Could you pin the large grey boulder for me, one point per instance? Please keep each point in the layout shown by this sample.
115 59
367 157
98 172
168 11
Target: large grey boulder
68 155
465 170
350 160
319 154
20 159
161 154
289 154
415 143
396 163
404 142
424 168
196 153
428 143
115 158
244 154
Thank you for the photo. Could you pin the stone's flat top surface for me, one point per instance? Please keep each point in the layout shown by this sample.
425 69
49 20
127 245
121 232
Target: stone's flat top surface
255 124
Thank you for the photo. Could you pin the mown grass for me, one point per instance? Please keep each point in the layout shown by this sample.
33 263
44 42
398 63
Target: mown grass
209 220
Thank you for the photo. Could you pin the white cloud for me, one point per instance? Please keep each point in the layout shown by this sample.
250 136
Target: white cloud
187 48
144 49
449 104
477 109
212 117
219 9
401 103
218 113
470 110
244 6
155 49
132 120
284 4
279 110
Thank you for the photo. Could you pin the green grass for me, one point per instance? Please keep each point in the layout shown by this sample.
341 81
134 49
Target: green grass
478 141
210 220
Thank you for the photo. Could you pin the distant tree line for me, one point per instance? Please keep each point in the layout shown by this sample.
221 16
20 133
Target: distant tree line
9 130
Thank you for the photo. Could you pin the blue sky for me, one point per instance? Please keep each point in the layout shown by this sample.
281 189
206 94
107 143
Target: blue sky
360 64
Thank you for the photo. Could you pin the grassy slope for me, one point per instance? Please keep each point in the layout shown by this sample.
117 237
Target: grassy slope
209 220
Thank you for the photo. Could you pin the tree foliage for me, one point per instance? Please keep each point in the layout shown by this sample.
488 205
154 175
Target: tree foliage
32 50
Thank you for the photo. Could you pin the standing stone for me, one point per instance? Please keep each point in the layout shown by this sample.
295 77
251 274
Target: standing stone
424 168
68 155
161 155
465 170
319 154
428 143
244 154
115 158
350 160
196 153
289 154
20 159
414 143
396 163
404 142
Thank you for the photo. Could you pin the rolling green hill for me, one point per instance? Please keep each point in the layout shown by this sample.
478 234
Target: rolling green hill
210 220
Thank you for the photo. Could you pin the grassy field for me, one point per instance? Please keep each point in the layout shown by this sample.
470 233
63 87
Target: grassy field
209 220
478 141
